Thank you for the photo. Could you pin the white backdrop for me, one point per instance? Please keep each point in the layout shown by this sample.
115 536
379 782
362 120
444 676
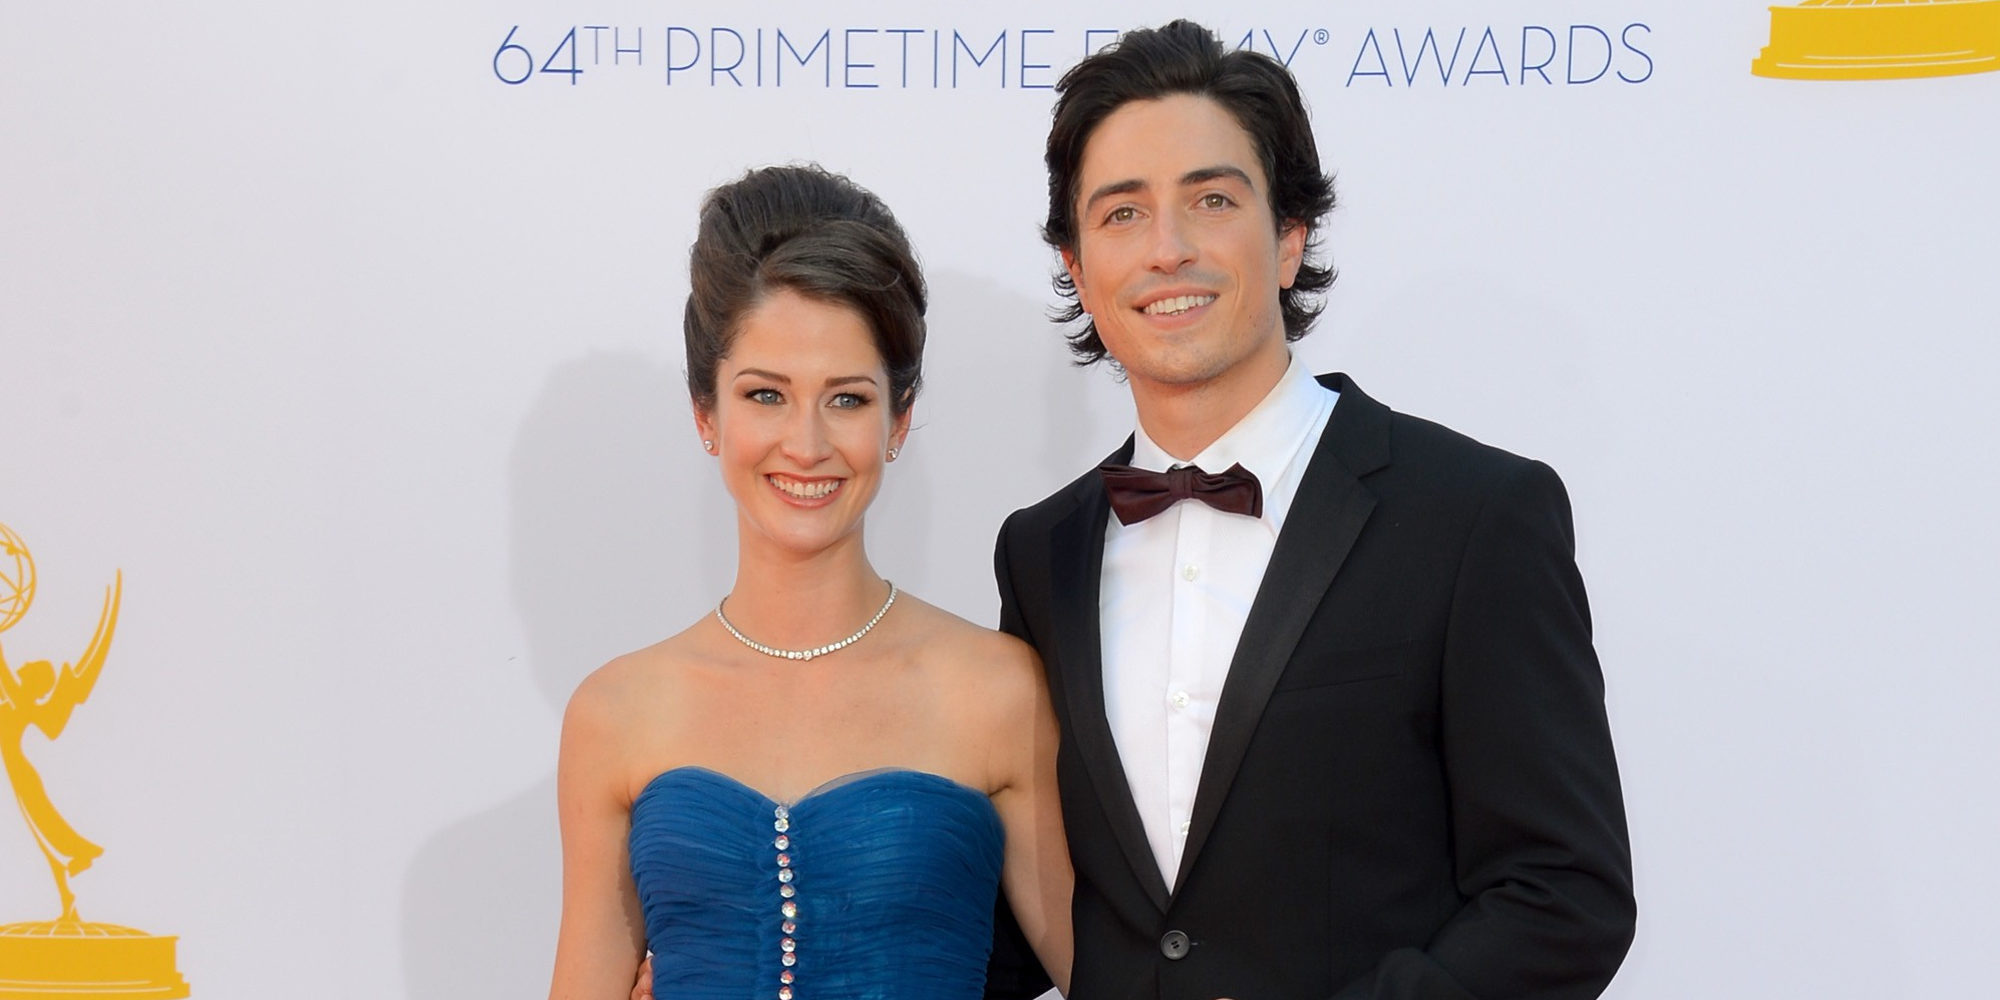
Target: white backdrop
363 366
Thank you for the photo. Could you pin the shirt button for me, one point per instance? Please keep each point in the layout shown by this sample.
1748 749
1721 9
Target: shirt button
1180 699
1185 826
1189 572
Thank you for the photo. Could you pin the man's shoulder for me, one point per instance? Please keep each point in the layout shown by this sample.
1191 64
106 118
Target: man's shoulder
1052 509
1419 440
1413 449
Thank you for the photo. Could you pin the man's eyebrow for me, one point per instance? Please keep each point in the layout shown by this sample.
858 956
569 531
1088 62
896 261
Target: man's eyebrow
1200 175
1114 188
1216 173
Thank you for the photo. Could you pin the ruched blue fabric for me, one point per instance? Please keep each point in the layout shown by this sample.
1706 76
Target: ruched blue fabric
892 884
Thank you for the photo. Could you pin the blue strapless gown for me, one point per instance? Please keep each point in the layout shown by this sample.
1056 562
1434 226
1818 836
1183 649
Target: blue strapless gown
877 885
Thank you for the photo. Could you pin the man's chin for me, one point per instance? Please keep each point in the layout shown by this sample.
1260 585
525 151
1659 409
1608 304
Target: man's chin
1175 370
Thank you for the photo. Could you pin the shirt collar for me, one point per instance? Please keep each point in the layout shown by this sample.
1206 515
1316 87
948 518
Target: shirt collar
1266 441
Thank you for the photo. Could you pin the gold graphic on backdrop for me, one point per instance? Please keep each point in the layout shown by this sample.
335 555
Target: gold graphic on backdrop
67 958
1881 39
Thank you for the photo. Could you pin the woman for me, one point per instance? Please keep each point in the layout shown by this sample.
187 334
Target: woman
818 788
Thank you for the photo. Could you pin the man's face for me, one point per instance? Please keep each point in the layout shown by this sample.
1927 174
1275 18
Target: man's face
1177 258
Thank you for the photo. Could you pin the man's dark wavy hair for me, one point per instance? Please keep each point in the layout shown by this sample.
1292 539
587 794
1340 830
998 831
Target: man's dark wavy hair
1186 58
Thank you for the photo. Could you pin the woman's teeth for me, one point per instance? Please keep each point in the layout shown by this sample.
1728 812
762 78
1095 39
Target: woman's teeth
1178 304
805 491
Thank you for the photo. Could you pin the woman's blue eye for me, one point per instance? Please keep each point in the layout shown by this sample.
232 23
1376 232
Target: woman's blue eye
768 397
849 401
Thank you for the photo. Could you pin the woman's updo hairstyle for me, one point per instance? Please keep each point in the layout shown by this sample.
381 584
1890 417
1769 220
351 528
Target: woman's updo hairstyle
819 235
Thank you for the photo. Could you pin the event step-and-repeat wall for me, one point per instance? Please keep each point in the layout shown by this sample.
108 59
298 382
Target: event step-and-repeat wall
345 433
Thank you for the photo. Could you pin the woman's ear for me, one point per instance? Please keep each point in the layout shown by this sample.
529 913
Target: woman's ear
704 424
899 431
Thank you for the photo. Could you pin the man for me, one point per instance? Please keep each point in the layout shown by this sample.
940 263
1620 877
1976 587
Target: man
1332 722
1339 733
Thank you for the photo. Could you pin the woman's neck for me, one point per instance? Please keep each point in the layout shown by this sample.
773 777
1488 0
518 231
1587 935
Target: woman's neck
790 601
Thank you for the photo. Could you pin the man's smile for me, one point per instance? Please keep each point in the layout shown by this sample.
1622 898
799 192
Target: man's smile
1176 305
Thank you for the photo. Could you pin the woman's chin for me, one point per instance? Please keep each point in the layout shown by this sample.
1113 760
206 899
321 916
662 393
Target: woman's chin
815 536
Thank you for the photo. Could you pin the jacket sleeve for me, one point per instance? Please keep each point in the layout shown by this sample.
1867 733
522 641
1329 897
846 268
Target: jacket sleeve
1538 824
1012 970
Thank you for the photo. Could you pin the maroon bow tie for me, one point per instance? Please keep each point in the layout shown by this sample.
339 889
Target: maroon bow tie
1137 494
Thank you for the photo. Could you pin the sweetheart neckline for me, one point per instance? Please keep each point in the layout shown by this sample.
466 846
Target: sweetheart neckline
833 784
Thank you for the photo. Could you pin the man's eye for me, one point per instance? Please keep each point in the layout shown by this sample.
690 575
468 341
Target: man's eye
765 397
1213 200
1123 213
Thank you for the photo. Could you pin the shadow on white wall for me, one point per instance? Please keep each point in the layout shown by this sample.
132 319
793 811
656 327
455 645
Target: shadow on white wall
614 544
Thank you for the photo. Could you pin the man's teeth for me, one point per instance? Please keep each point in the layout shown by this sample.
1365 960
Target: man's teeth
1178 304
805 491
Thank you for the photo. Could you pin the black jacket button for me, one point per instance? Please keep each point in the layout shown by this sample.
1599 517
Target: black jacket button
1174 945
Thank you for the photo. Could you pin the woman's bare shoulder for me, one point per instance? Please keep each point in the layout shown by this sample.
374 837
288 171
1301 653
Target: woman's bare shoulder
996 664
630 682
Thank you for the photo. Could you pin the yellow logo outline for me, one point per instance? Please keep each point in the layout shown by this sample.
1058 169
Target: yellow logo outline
1881 39
67 958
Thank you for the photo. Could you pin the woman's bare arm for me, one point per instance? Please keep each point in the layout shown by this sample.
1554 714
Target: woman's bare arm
603 934
1036 875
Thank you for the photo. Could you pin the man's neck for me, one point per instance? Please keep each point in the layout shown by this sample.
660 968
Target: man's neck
1184 419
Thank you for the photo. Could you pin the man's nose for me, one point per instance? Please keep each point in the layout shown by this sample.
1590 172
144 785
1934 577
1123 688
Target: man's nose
1172 246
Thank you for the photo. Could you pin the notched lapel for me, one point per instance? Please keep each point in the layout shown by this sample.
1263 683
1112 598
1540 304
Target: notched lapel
1325 520
1077 559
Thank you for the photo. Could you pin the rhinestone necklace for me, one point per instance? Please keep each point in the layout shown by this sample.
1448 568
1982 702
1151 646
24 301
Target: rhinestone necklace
805 654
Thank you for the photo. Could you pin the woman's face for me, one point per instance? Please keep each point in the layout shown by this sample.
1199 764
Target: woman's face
802 422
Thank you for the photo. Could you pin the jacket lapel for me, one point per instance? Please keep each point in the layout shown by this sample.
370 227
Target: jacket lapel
1324 521
1077 559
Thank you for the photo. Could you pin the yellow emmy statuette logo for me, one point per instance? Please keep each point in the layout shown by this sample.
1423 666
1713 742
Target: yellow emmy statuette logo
66 958
1881 39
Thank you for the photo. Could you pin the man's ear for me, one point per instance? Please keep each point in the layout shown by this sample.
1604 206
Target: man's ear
1074 265
1291 251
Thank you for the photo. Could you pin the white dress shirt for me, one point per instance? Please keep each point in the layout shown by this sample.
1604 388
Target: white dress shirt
1175 592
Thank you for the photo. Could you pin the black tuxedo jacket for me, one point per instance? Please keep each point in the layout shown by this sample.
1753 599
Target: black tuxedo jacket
1409 790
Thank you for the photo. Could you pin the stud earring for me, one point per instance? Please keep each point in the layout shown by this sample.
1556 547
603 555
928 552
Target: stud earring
892 454
708 446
